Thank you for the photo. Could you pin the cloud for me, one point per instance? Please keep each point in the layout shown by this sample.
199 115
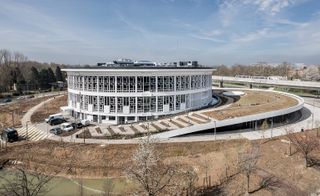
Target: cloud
212 33
228 9
203 37
284 21
271 7
131 25
252 36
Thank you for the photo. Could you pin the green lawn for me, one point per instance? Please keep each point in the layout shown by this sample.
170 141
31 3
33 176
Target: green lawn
68 187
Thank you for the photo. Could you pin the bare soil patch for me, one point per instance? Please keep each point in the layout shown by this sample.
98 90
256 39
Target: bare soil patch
52 107
17 110
209 159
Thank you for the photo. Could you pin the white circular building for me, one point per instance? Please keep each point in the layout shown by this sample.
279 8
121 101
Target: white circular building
125 94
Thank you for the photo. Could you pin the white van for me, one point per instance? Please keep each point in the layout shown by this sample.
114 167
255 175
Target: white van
85 122
53 116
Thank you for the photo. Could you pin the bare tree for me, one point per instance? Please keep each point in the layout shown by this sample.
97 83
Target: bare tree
317 127
152 175
28 179
248 161
206 165
269 183
305 144
108 186
81 187
25 184
289 132
188 180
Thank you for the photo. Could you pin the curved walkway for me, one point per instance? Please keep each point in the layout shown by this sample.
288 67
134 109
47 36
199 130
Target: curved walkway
28 129
27 116
241 134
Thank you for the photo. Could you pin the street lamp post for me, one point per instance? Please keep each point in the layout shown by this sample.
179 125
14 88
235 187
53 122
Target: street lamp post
312 124
47 130
12 115
27 133
215 130
271 128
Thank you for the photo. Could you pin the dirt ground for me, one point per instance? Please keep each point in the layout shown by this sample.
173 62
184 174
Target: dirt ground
50 108
216 158
17 110
253 102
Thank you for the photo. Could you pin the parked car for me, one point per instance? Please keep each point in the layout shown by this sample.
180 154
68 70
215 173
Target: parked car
21 98
9 135
77 125
56 130
85 122
7 100
29 96
54 116
66 127
56 121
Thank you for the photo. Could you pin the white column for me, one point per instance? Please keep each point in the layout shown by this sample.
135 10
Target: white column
98 103
115 84
174 83
102 83
156 103
82 83
136 104
156 84
116 105
97 83
136 84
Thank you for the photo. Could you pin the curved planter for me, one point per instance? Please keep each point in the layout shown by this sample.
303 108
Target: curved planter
236 120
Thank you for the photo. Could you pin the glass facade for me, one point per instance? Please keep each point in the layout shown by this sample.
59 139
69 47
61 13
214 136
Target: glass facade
137 97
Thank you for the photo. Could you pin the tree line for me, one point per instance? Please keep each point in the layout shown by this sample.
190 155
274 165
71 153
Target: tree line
260 69
17 70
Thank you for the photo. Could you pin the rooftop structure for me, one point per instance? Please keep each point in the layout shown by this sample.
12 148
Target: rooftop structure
146 63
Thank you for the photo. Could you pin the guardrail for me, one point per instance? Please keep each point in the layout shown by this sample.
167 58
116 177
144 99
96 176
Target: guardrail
287 83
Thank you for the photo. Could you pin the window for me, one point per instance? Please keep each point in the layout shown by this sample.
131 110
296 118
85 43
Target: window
160 103
140 84
112 118
109 83
131 118
132 104
100 81
101 103
120 104
95 103
132 84
140 104
178 102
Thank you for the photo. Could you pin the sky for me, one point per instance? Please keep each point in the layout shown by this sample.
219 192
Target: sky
212 32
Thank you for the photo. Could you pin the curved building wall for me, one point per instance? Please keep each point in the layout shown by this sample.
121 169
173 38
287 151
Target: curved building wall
119 96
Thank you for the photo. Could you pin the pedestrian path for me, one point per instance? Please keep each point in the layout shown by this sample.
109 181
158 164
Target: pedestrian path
33 133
